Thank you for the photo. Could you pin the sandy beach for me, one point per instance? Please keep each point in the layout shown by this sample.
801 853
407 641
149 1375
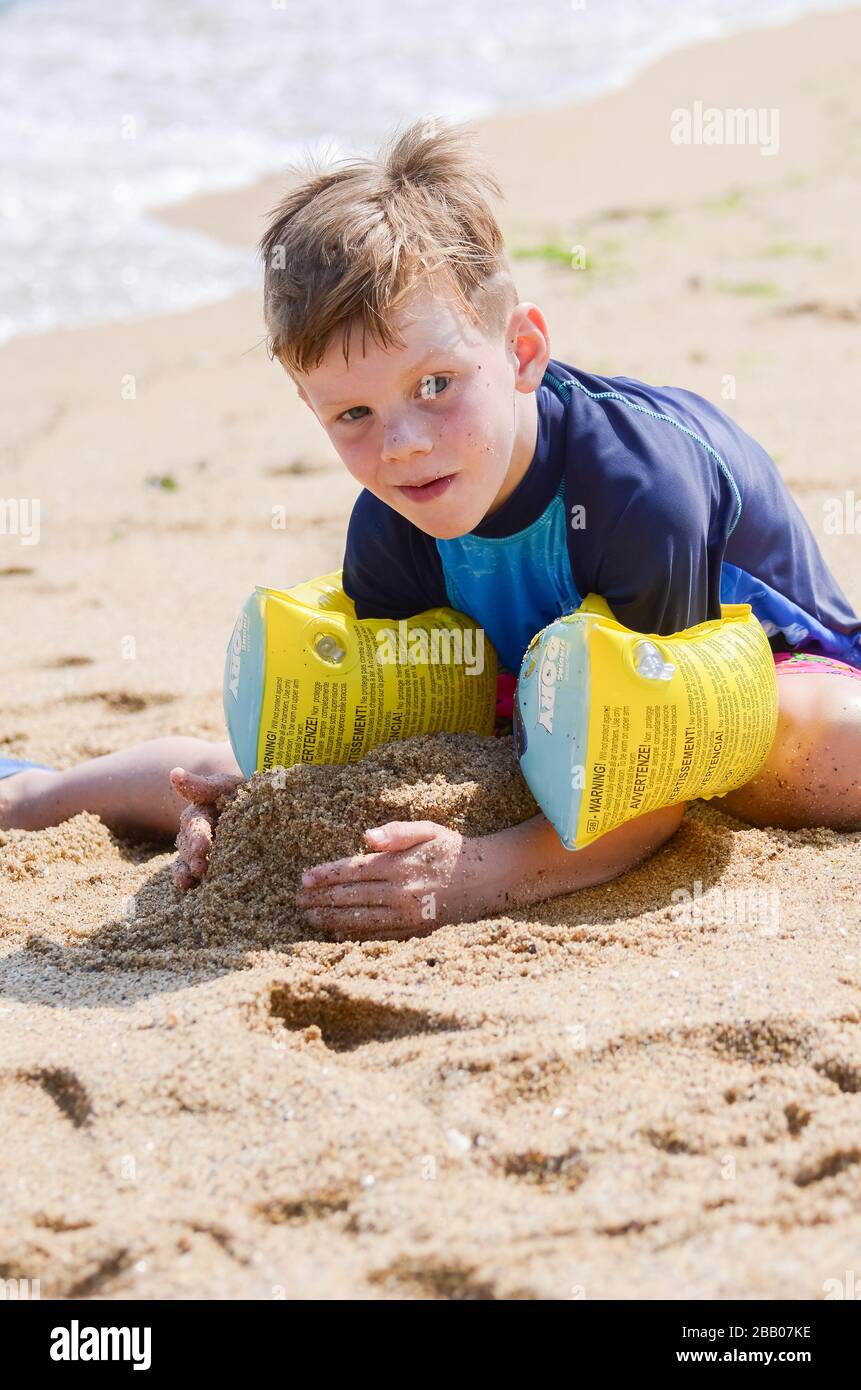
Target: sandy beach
650 1089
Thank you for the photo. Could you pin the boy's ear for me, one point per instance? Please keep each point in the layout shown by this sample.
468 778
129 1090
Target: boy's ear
529 337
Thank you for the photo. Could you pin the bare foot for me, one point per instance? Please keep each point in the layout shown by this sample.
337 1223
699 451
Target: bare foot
197 822
19 799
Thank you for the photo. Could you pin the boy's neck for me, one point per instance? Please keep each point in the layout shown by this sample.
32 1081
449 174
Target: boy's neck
525 444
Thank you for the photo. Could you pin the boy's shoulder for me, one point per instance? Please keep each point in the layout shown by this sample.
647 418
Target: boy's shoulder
666 442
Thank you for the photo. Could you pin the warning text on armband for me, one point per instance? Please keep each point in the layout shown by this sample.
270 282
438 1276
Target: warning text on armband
309 739
360 726
596 791
717 749
269 749
641 774
687 756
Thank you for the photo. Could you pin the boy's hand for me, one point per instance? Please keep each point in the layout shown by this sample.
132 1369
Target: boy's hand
424 876
197 821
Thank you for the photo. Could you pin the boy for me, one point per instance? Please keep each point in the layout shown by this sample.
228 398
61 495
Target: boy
478 453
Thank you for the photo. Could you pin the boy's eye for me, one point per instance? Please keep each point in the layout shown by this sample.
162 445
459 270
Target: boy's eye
430 386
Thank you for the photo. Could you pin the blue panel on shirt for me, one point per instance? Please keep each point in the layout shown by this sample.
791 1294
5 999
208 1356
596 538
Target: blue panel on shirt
513 585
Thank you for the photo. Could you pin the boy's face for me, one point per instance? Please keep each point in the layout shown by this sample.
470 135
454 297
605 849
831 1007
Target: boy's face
443 429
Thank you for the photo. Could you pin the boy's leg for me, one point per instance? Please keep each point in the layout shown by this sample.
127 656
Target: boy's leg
812 775
130 790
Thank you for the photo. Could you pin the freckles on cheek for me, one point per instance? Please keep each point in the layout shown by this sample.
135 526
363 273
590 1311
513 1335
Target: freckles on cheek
474 432
490 442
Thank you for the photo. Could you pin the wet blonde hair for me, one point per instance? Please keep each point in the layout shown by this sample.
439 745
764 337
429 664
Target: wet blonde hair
354 239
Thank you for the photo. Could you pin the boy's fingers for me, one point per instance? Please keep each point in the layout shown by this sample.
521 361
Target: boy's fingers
358 868
182 876
204 788
195 834
366 894
365 923
199 863
194 841
401 834
194 855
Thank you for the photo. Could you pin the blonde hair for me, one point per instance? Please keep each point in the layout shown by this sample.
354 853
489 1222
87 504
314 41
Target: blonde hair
354 239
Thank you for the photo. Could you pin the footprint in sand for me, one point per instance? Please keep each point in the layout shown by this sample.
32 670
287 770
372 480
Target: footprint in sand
833 313
64 1088
346 1021
123 700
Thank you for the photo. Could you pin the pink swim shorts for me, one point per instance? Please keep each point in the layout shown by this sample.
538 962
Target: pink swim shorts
792 662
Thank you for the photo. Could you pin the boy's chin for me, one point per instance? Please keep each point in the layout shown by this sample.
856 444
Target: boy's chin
445 529
445 522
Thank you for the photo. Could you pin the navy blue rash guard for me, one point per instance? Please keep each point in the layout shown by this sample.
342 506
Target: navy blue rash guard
647 495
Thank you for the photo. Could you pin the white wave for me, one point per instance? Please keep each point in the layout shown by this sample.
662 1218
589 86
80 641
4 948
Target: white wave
108 111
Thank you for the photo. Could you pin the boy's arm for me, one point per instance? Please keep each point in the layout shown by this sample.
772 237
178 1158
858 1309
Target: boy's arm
656 516
534 864
426 875
658 569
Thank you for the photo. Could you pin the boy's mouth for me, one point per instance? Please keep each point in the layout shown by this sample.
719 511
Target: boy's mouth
425 492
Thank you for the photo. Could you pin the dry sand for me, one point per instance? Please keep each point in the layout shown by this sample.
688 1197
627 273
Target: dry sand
611 1095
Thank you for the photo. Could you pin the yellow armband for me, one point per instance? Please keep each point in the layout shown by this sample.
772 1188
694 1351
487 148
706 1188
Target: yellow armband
610 723
306 681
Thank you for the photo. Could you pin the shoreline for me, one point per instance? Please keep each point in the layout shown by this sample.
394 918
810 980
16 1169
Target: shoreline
760 67
626 123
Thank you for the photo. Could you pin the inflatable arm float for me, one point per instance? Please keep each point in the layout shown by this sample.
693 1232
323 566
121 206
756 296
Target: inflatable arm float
610 723
306 681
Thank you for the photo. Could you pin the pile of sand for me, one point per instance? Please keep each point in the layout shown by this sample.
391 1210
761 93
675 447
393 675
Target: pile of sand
277 825
283 822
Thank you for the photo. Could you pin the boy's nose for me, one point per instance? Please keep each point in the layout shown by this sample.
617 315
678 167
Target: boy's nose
401 442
